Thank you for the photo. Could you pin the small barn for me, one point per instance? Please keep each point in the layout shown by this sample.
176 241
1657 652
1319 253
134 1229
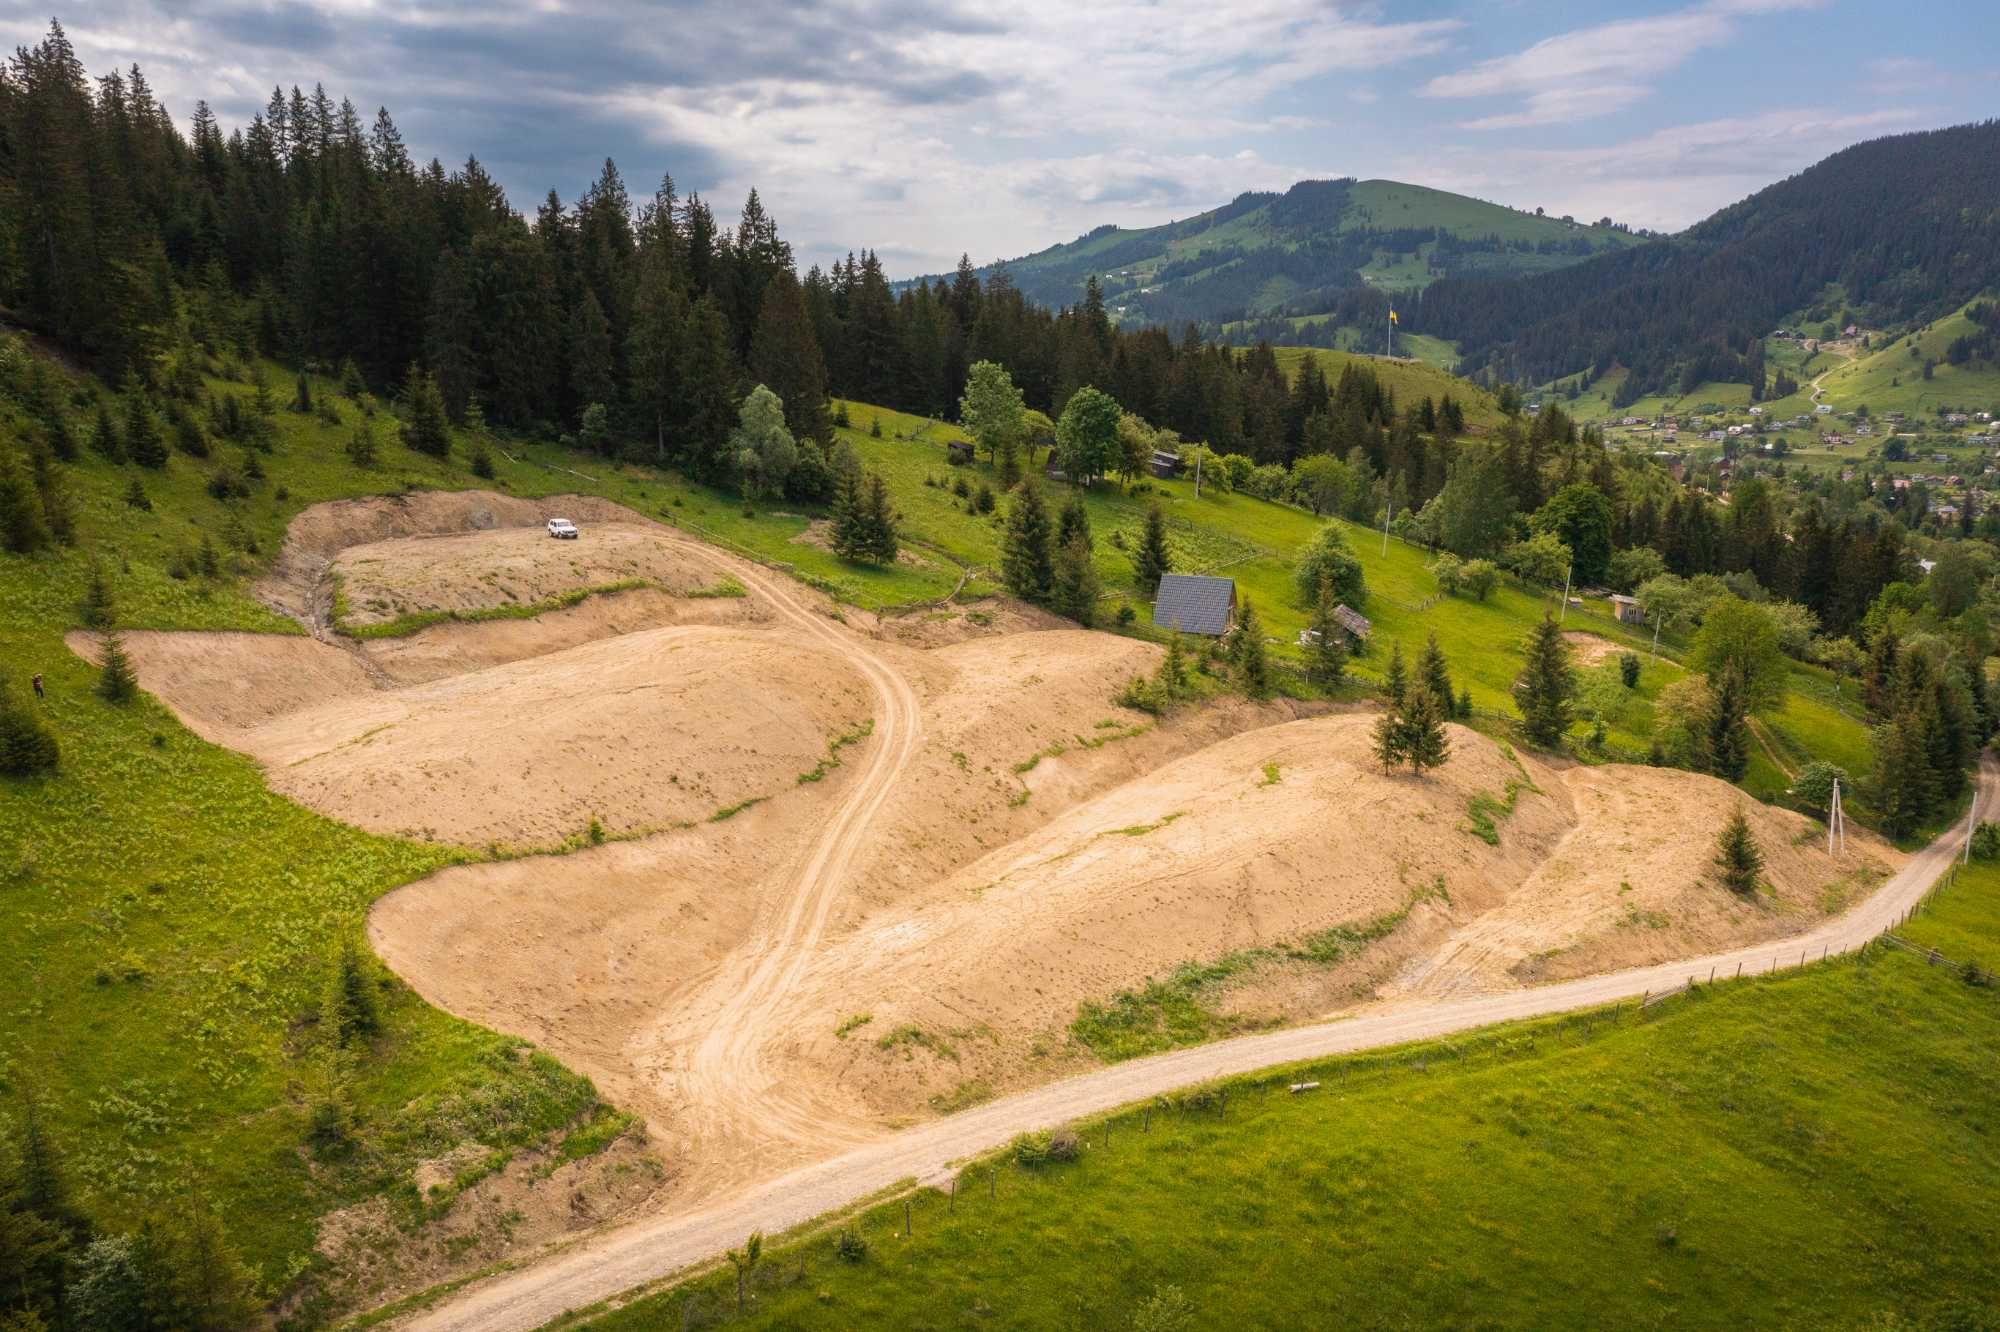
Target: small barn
958 452
1353 622
1195 604
1165 464
1627 609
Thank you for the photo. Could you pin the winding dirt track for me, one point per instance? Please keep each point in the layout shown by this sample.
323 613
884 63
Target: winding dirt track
747 996
725 1027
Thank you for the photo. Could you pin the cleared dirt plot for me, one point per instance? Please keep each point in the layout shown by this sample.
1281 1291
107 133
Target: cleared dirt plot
512 568
860 870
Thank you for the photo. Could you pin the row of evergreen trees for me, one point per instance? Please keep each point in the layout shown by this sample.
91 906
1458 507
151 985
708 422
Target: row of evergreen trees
314 237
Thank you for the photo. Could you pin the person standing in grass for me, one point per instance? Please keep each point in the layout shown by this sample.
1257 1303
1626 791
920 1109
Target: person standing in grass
40 694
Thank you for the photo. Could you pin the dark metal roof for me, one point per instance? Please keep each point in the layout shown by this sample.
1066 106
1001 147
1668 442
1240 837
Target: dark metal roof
1194 603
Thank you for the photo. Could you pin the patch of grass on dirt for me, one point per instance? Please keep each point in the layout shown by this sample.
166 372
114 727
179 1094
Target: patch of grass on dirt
1725 1158
973 1091
852 1024
728 812
415 621
725 587
852 736
906 1038
1179 1010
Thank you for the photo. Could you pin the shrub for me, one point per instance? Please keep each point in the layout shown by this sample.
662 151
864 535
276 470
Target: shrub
850 1246
1480 577
28 747
1064 1145
1628 669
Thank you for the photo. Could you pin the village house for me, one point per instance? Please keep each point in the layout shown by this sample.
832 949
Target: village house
1195 604
1627 609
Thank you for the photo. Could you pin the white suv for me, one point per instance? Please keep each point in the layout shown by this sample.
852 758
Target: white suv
562 529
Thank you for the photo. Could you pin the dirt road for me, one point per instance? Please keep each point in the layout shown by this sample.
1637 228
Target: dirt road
721 1032
647 1250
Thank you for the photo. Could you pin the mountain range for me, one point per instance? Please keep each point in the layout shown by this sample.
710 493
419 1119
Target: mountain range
1322 247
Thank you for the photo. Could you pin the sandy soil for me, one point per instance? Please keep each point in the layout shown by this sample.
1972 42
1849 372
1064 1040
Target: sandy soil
516 566
1002 845
1590 649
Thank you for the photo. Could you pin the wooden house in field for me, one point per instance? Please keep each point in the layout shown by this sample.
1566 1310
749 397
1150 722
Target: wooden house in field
1627 609
959 452
1353 623
1165 464
1195 604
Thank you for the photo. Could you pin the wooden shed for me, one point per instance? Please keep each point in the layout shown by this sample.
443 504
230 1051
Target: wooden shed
1627 609
959 452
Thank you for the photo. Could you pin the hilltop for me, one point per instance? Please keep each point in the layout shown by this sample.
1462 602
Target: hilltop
1324 247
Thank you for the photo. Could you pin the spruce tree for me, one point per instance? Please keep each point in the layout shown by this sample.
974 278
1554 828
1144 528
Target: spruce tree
117 682
1326 658
349 1013
24 524
1738 861
1253 665
424 427
97 610
1728 735
142 434
1172 677
1396 681
27 746
1423 738
785 356
1153 560
1546 686
1387 737
1076 585
1026 561
1073 522
104 436
302 397
361 444
878 522
850 534
1435 675
136 497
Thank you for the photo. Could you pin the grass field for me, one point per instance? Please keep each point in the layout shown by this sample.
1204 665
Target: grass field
1410 380
1811 1150
1890 377
1256 543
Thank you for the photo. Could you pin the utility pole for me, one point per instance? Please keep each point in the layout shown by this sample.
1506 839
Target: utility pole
1657 620
1836 824
1386 514
1971 824
1563 614
1197 472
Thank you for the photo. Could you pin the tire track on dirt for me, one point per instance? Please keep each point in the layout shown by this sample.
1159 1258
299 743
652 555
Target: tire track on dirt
718 1038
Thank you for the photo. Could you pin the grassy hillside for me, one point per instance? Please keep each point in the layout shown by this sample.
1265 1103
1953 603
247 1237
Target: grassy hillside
1342 234
1812 1150
1409 379
1889 377
1257 542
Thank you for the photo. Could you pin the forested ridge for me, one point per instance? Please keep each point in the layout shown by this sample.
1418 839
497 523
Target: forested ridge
1908 227
313 237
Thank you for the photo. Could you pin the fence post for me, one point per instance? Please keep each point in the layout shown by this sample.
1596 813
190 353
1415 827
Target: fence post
906 1218
951 1199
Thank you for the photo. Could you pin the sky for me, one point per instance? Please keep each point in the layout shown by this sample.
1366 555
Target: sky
923 129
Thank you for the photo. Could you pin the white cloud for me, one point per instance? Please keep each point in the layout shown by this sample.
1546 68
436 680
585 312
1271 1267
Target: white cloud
1598 70
1671 177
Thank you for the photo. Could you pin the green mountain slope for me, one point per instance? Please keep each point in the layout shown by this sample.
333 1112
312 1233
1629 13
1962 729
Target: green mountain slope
1322 247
